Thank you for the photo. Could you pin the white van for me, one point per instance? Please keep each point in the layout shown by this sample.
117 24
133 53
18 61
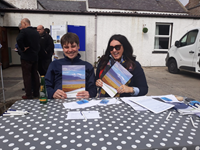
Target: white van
185 54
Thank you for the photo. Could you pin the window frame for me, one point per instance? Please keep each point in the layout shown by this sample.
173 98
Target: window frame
163 36
187 34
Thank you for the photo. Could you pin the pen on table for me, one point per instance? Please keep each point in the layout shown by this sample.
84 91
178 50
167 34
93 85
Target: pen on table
12 114
83 116
192 106
167 118
116 100
14 110
192 122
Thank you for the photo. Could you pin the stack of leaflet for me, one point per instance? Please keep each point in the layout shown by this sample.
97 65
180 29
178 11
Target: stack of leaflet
13 112
188 110
181 107
152 104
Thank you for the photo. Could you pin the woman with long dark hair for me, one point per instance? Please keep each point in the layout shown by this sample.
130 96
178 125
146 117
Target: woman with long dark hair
119 49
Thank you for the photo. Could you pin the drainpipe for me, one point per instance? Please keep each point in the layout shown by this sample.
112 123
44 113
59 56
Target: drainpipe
95 37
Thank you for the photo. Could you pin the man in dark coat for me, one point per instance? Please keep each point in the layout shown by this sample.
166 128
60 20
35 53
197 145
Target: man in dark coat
46 50
28 41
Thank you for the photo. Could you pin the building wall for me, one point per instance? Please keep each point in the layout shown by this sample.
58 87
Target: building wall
24 4
194 11
143 43
131 27
192 3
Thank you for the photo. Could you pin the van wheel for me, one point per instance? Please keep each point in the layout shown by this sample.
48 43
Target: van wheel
172 66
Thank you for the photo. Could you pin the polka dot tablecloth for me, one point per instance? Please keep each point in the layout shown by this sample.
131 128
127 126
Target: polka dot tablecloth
120 128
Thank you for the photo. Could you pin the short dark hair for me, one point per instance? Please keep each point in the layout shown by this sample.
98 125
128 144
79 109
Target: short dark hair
69 38
47 30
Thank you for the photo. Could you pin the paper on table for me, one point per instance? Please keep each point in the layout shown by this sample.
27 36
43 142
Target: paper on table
153 105
134 105
110 101
87 115
171 98
188 110
75 105
109 89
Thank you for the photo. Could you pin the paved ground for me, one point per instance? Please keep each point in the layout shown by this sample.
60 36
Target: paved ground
160 82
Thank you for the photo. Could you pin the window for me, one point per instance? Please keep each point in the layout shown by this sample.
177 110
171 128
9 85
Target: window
162 37
189 38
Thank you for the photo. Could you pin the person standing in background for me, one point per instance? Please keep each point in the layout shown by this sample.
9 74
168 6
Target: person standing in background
28 41
17 49
47 30
16 46
46 50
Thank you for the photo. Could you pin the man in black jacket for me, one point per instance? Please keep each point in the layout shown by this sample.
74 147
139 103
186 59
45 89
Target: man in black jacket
46 50
28 41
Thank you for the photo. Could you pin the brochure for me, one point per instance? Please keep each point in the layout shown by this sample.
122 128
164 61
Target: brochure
153 105
73 79
115 77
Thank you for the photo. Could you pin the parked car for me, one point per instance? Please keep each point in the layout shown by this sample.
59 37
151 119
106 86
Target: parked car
185 54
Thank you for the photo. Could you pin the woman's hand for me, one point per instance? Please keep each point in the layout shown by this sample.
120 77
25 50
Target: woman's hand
59 94
83 94
99 83
125 89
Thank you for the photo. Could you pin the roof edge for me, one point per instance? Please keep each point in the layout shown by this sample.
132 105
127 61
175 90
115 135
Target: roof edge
6 3
98 13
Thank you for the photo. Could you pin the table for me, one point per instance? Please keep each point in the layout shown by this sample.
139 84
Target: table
120 127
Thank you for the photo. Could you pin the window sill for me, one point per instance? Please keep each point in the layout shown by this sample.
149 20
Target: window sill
159 52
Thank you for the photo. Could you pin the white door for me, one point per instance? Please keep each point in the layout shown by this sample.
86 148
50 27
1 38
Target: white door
187 48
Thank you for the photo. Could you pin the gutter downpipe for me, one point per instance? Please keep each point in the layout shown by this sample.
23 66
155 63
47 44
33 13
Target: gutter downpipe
95 37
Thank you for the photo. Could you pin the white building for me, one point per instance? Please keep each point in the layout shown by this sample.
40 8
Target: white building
166 20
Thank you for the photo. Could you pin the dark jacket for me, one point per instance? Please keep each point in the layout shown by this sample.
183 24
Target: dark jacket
53 77
29 37
46 46
138 80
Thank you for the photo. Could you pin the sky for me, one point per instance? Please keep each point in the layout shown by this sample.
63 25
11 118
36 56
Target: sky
184 2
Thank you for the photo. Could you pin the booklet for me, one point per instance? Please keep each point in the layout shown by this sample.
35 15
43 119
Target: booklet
73 79
153 105
116 76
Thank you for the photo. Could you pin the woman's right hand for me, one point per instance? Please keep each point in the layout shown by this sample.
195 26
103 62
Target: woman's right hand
59 94
99 83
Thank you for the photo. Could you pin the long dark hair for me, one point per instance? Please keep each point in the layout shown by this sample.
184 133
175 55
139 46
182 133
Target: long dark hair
127 54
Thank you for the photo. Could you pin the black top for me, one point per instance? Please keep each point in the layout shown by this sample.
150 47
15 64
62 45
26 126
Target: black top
138 80
46 46
29 37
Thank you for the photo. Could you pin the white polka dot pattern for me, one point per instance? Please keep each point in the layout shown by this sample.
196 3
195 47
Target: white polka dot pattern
120 128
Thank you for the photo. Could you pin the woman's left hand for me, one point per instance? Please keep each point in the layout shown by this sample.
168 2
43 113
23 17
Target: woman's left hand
83 94
124 89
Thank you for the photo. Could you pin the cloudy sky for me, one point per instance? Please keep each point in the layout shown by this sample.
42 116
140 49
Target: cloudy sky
184 2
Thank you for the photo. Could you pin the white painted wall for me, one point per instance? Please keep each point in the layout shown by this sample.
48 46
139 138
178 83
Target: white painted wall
143 43
131 27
